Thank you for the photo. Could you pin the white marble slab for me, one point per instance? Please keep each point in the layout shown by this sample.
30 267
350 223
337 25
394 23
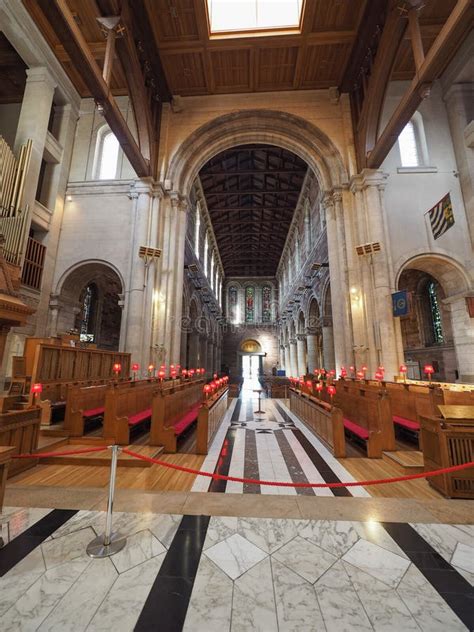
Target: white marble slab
140 547
305 558
384 607
337 537
463 557
210 606
296 601
269 534
164 527
237 464
123 604
340 605
253 607
377 562
309 469
67 548
77 607
18 579
220 528
235 555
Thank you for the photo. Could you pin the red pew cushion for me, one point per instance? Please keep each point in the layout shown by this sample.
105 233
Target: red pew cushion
93 412
186 421
139 417
361 432
406 423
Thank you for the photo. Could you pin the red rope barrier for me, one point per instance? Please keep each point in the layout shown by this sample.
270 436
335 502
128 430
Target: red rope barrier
42 455
252 481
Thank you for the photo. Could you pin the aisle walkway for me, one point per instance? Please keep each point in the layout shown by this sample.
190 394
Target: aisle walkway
273 446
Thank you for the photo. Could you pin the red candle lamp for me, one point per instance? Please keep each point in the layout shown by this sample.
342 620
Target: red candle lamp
403 370
319 388
161 374
343 372
428 370
331 391
352 370
379 376
360 375
117 368
363 368
37 389
207 390
151 370
135 368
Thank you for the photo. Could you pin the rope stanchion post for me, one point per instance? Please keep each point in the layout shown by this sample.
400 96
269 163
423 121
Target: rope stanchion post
109 543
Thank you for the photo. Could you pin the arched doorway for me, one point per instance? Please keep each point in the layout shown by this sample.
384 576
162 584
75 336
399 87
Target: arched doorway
433 331
89 304
251 357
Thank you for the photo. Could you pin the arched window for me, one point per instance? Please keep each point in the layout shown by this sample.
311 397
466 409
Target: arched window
249 304
408 143
436 321
88 313
197 228
206 251
233 304
266 304
108 157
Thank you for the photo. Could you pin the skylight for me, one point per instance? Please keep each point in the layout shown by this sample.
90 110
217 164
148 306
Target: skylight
253 15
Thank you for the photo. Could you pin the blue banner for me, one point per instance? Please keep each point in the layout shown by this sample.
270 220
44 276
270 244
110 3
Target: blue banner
400 303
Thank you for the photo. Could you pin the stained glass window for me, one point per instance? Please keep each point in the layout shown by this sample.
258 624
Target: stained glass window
249 304
435 313
266 304
86 326
233 298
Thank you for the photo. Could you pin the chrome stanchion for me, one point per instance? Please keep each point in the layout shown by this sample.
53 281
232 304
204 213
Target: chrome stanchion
109 543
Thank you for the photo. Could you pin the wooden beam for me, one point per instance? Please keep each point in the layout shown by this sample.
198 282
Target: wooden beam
62 21
449 40
415 37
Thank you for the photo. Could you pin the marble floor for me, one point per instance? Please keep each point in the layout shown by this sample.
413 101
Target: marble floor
274 445
200 573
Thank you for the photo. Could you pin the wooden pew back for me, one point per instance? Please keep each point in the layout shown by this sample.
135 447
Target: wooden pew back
211 414
122 403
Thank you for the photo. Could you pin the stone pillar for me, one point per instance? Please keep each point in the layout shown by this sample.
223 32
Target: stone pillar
463 337
287 361
141 304
312 348
301 349
328 345
210 367
293 358
337 286
282 357
459 100
344 240
387 341
33 124
193 360
203 352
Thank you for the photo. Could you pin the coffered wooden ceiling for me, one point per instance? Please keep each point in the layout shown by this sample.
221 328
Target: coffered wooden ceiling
195 63
251 193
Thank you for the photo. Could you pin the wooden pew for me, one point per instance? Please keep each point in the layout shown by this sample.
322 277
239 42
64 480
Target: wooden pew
210 416
126 409
174 410
325 421
20 429
83 403
448 440
367 415
6 453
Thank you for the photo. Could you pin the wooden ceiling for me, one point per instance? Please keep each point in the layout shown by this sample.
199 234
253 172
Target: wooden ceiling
12 73
251 193
195 63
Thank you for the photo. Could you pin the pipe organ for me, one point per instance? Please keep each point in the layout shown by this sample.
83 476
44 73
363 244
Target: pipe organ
13 219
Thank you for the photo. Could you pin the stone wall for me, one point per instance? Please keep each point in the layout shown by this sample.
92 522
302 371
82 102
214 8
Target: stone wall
232 338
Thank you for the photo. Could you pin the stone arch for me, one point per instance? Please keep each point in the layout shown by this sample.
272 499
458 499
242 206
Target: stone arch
301 323
313 316
107 285
270 127
446 270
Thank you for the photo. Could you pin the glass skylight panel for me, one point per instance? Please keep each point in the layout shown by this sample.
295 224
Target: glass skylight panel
253 15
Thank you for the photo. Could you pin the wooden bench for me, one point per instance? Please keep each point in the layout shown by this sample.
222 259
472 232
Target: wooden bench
6 453
210 415
446 441
367 416
20 428
126 409
325 420
82 405
174 411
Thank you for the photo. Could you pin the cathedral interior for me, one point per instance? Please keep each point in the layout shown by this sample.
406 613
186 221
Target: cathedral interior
236 315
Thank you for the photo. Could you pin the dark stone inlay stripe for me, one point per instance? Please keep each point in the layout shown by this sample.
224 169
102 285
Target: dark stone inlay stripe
13 552
223 462
236 411
251 462
320 464
168 600
445 579
293 465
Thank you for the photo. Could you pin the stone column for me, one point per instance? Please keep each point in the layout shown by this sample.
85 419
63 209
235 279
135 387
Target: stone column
463 337
193 360
293 358
328 344
301 349
459 100
141 305
203 351
210 367
390 353
54 307
337 286
282 357
312 347
344 240
33 124
287 361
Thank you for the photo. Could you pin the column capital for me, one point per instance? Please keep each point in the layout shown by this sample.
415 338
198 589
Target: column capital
292 341
301 337
145 186
368 178
178 201
312 331
40 74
